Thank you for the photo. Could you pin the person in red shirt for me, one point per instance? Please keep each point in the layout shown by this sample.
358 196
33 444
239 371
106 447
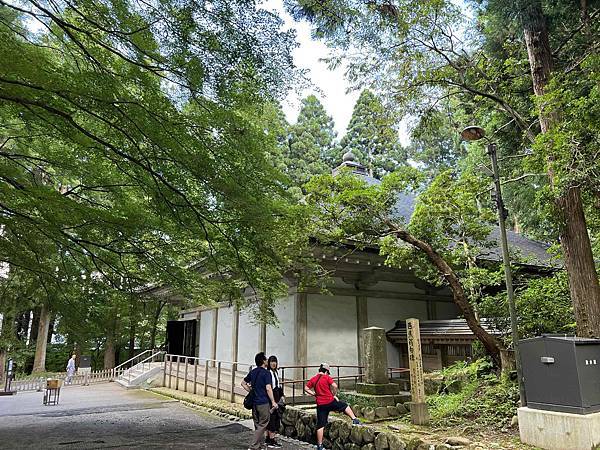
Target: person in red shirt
324 389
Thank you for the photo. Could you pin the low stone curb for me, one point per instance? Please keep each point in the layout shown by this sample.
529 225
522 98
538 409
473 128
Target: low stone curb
220 408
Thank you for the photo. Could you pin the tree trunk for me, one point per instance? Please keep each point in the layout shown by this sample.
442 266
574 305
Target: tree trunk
109 352
132 324
155 319
110 346
35 323
492 345
51 328
39 362
583 280
8 326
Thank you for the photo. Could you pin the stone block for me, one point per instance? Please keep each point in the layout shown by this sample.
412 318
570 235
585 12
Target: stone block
356 435
395 442
433 384
553 430
414 443
344 431
403 397
375 355
352 446
392 411
378 388
458 441
369 413
367 434
401 408
368 447
381 412
381 442
376 400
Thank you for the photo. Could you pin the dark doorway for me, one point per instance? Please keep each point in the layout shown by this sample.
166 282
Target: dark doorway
181 337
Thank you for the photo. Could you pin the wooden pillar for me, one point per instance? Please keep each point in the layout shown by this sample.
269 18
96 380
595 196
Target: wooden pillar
418 411
362 322
262 329
301 335
235 335
199 333
213 343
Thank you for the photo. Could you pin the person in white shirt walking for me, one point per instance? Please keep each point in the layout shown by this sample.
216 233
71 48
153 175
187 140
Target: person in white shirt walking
70 370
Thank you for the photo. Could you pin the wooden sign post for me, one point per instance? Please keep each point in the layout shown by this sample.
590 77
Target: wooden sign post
418 408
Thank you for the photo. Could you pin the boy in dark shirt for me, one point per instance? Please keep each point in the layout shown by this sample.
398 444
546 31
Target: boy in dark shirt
259 379
324 389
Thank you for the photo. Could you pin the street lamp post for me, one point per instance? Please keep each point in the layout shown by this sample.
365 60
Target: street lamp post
474 133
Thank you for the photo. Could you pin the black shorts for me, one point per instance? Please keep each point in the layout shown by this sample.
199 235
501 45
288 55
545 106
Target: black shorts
324 410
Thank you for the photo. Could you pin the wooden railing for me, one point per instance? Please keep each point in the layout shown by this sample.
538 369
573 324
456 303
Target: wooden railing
222 378
79 379
194 367
335 374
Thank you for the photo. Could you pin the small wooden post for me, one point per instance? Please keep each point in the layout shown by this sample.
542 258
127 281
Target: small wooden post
418 411
186 374
218 380
165 372
177 374
206 378
232 391
195 375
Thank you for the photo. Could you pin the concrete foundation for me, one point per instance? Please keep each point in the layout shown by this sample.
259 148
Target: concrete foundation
551 430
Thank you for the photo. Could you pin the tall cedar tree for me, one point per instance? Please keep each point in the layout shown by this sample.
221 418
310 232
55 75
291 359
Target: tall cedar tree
311 148
372 136
413 50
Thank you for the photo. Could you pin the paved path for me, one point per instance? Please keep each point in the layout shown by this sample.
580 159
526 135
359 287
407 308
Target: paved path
108 416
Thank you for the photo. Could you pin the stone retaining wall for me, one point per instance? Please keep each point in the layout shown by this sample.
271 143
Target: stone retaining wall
341 434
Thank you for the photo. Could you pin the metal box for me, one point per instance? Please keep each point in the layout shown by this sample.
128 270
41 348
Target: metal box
561 373
85 361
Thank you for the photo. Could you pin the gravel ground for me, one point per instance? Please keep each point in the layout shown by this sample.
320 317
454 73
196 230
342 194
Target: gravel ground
108 416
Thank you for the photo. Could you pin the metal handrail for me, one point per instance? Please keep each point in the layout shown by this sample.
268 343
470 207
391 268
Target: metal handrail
119 367
148 359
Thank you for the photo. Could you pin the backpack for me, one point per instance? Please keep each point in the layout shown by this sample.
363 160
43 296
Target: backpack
249 399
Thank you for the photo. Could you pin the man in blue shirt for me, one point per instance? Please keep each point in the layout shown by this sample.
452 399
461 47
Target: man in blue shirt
259 379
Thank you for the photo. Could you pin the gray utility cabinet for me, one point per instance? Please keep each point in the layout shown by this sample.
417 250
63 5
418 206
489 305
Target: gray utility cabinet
561 373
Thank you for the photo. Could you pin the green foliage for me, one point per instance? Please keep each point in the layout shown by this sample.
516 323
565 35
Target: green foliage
543 306
311 148
485 399
133 158
372 136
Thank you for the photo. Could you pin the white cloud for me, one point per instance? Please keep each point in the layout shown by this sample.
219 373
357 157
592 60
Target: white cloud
331 83
330 86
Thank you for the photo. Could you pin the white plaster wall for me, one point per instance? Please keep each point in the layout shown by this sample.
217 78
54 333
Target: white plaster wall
205 333
332 335
446 310
247 338
384 312
224 334
280 339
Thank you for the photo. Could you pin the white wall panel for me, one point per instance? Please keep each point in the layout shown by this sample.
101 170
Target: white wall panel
332 333
384 312
280 339
224 334
248 338
205 333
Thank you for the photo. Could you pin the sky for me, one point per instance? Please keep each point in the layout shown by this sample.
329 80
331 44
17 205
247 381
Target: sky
331 84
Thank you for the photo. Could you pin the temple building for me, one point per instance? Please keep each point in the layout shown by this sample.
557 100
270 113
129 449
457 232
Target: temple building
314 327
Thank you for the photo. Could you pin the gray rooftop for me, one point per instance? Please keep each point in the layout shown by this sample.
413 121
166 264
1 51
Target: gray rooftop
525 251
